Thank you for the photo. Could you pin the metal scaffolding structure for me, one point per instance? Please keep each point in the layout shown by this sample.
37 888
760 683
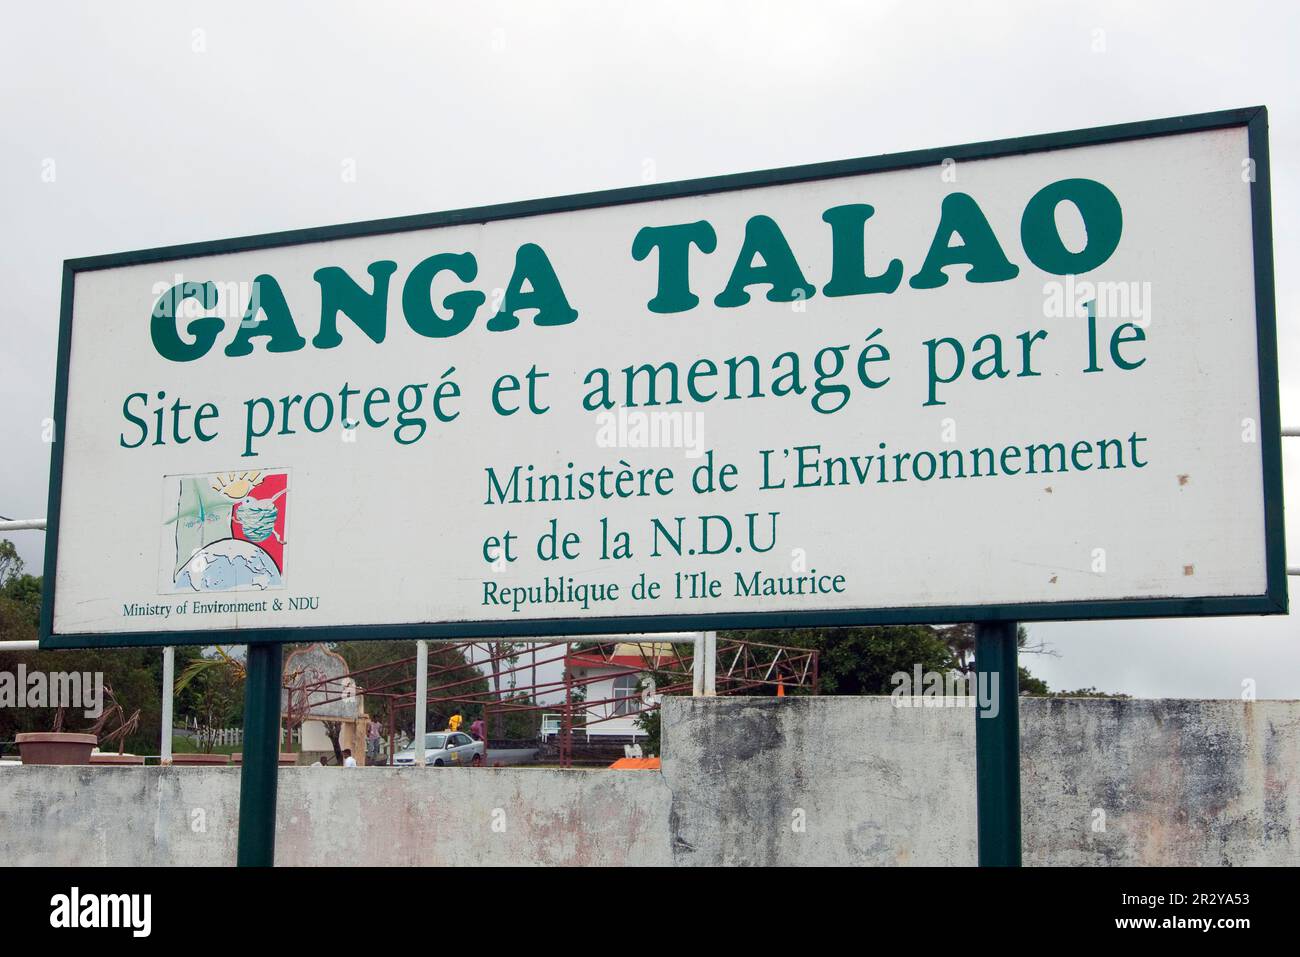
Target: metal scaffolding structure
459 680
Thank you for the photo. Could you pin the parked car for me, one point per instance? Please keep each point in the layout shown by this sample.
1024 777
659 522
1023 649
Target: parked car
444 749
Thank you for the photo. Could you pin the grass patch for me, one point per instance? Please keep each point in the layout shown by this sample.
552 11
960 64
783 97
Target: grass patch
191 746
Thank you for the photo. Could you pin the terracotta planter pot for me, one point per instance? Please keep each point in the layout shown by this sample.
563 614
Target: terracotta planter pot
206 759
55 747
286 757
116 759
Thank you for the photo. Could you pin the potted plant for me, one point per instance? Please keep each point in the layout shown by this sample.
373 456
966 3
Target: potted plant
125 726
56 746
75 747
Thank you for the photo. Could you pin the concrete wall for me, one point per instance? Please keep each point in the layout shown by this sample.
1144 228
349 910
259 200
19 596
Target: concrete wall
1102 782
745 781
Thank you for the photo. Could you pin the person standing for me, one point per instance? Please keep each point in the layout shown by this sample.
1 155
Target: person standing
478 730
348 760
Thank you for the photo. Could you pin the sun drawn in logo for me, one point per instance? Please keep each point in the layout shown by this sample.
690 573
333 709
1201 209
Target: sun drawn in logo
229 530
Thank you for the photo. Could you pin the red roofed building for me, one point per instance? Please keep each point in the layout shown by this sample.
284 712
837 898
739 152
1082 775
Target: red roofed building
618 686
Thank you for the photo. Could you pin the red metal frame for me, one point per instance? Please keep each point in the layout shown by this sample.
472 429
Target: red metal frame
741 667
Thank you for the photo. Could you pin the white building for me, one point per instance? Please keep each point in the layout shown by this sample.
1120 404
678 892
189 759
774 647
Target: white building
618 688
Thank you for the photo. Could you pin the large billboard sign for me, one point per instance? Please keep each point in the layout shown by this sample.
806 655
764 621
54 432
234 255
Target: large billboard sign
1032 378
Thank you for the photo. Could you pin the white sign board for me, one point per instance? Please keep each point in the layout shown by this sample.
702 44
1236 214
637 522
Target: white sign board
1029 379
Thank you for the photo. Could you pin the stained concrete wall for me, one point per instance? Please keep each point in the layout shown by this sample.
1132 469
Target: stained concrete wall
1102 782
1197 783
819 781
745 781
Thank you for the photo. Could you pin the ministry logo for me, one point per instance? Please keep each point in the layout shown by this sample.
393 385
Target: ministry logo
224 531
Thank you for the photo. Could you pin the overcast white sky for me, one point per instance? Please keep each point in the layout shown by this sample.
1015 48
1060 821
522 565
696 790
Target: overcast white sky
171 122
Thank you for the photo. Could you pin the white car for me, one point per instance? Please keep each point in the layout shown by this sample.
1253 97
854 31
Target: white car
444 749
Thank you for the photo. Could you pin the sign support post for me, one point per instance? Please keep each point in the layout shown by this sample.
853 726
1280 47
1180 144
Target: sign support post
421 699
697 666
710 663
257 782
168 696
997 745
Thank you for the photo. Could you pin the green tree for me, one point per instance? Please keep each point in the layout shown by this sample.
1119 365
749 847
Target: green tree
861 661
11 563
1029 685
134 674
651 725
20 597
961 639
209 693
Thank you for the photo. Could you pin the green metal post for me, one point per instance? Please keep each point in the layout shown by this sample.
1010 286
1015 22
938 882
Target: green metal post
261 755
997 744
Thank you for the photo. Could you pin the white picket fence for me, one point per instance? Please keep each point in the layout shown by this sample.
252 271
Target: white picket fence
225 736
222 737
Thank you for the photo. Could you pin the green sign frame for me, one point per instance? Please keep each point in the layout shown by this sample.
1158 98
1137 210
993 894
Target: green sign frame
1273 601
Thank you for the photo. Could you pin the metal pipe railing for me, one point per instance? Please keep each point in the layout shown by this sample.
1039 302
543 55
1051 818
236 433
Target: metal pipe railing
22 525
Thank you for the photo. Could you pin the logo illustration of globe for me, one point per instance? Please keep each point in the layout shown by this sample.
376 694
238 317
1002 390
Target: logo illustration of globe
229 563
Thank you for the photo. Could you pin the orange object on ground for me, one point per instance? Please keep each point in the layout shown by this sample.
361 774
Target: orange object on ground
635 764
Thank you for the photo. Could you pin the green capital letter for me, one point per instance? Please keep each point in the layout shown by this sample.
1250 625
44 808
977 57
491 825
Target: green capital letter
763 237
417 296
276 322
961 216
340 293
544 294
1102 219
674 245
848 255
162 326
